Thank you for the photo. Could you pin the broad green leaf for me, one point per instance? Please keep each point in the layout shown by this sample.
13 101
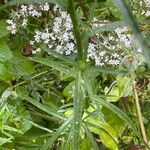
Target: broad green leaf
113 95
61 57
4 140
111 107
51 63
125 87
5 53
106 134
3 30
41 106
68 90
3 71
114 121
118 112
21 66
56 134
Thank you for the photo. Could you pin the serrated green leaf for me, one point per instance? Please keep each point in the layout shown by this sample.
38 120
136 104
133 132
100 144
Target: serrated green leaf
3 30
2 71
78 102
93 71
111 107
21 66
51 63
5 53
4 140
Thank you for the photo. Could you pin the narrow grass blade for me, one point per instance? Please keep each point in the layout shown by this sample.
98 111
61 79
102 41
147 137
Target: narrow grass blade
39 126
90 136
41 106
55 135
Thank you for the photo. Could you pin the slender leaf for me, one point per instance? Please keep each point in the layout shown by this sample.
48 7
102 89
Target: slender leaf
78 101
41 106
95 70
51 63
89 134
55 135
39 126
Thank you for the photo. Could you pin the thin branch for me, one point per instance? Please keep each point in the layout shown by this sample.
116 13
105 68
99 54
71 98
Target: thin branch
138 108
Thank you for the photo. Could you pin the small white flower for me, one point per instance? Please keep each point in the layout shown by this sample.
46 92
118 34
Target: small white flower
24 22
9 21
114 62
32 42
147 13
46 7
38 50
50 46
34 52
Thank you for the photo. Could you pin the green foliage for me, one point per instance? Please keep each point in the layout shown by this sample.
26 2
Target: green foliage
52 101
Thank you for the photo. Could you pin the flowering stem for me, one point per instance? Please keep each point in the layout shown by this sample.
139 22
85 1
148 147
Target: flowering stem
138 108
76 29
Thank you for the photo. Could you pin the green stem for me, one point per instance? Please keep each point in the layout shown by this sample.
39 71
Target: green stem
139 113
76 29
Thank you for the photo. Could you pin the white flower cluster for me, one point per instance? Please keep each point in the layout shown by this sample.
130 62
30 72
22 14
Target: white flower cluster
103 57
58 37
125 38
106 49
19 18
144 8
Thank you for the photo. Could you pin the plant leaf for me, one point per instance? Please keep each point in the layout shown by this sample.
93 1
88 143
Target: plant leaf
51 63
118 112
78 101
40 106
3 30
5 53
55 135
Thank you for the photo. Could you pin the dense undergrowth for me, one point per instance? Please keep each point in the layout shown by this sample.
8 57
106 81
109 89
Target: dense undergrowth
74 75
